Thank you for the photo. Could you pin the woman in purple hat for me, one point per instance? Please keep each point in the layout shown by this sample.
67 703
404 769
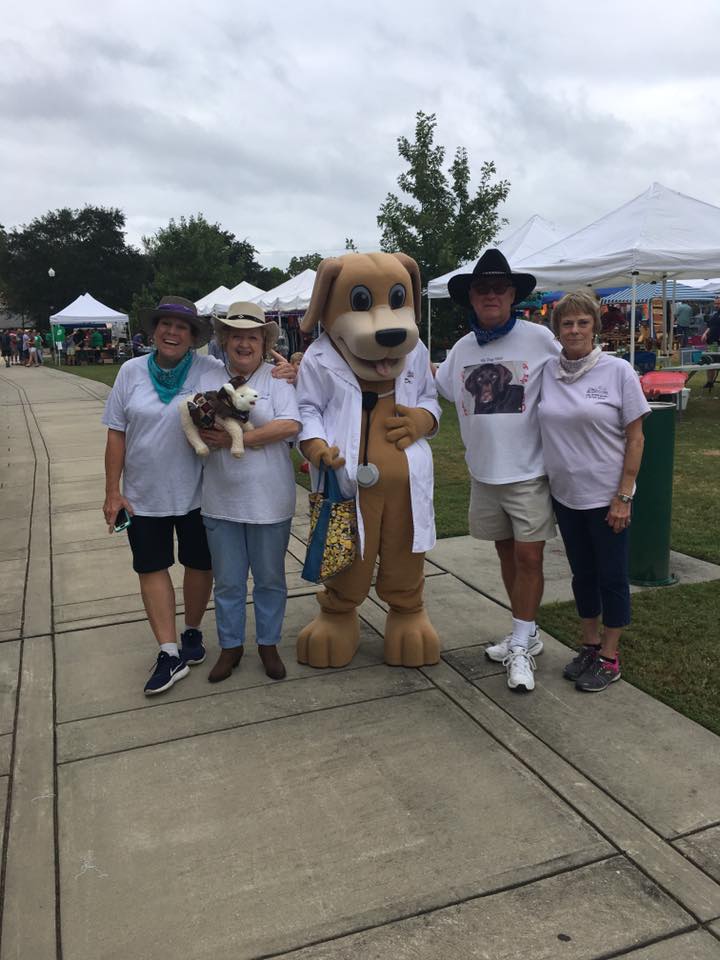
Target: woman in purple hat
160 473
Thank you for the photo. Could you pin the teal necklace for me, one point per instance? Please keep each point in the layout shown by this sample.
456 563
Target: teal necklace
169 383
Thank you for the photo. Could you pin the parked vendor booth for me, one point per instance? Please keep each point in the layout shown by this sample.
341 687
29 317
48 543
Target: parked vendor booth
102 329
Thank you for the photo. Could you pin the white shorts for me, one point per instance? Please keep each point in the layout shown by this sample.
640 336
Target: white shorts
511 511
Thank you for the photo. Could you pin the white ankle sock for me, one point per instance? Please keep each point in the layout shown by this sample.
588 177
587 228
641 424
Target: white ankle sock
521 632
186 627
171 648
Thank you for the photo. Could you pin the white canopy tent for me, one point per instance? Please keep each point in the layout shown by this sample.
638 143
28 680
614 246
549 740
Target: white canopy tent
86 311
713 286
535 234
243 291
205 304
659 235
291 296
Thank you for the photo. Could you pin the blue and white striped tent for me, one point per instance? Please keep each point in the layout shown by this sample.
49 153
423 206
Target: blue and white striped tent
653 291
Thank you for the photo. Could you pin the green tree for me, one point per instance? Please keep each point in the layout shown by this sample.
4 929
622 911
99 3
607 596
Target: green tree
87 250
191 256
267 278
438 220
310 261
350 245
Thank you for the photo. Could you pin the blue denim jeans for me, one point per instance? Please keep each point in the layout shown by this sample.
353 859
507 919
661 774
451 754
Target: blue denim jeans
237 549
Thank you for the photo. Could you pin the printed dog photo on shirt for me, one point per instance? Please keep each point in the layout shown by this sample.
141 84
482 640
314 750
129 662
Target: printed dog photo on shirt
494 387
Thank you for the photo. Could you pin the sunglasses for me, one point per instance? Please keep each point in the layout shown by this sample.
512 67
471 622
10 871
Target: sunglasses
484 287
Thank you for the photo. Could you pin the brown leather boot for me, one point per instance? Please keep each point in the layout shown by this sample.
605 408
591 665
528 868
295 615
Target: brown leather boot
226 663
274 667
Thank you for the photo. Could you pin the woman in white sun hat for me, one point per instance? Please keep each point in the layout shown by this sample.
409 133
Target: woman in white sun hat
248 503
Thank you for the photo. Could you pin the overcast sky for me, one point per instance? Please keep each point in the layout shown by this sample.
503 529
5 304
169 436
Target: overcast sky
279 119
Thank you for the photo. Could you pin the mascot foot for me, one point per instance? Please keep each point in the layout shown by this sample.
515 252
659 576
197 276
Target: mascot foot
330 640
410 640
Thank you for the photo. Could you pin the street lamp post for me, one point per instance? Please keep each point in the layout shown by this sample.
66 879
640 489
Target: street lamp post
51 274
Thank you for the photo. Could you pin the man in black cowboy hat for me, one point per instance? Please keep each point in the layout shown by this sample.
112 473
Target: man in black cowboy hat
493 376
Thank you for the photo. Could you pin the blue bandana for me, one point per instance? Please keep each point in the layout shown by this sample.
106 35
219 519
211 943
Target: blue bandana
484 336
169 383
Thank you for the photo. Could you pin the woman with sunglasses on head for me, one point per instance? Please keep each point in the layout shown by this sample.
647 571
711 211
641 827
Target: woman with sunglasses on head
591 415
161 475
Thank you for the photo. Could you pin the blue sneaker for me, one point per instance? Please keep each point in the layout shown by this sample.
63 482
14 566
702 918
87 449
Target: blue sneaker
167 670
192 650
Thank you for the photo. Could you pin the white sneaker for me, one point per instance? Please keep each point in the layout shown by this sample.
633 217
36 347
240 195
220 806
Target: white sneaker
520 669
499 651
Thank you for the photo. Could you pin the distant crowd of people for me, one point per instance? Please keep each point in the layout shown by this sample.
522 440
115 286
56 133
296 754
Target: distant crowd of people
23 347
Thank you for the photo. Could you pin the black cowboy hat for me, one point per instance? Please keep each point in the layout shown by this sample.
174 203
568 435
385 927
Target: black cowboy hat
491 264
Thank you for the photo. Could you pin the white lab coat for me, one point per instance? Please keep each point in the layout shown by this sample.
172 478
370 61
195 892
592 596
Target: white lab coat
330 402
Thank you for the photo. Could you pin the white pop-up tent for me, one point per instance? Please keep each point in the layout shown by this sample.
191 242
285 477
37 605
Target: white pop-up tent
86 311
535 234
290 297
243 291
659 235
218 295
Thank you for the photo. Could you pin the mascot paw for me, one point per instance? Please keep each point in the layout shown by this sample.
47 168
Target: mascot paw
330 640
410 640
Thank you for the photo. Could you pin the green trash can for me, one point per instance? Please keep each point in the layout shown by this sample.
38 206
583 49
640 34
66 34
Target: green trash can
652 505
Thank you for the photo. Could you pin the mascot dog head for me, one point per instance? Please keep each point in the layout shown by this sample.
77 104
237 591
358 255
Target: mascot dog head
369 305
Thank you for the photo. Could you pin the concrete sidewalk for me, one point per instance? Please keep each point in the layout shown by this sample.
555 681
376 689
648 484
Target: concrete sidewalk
369 812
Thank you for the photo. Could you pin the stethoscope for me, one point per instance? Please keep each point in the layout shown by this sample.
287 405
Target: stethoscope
367 473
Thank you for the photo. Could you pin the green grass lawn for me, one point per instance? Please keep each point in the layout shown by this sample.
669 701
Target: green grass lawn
104 372
671 649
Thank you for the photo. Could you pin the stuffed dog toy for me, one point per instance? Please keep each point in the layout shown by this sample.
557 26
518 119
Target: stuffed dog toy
367 401
227 408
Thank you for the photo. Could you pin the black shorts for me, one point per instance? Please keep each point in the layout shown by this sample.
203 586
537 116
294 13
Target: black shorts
151 542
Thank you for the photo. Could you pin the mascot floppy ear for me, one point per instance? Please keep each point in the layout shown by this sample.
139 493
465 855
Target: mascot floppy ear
414 270
327 272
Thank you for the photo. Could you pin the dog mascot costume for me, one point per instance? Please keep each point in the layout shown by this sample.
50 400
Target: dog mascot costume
367 401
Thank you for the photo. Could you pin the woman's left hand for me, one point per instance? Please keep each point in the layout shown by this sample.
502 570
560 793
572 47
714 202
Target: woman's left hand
618 516
215 439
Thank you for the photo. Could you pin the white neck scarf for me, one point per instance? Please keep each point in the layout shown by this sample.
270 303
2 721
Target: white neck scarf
571 370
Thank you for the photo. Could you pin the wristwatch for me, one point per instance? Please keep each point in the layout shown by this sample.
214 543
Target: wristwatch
623 498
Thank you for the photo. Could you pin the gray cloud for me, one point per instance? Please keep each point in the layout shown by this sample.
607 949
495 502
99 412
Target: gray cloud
280 121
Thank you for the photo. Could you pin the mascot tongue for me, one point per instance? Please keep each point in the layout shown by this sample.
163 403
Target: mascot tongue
385 367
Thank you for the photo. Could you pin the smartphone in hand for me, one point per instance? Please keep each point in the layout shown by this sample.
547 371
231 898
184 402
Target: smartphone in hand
122 520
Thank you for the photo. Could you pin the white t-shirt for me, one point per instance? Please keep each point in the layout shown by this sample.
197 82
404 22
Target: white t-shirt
495 389
260 487
161 476
583 430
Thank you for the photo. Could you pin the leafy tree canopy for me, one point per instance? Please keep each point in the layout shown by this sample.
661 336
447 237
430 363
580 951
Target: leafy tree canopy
437 220
310 261
87 250
191 256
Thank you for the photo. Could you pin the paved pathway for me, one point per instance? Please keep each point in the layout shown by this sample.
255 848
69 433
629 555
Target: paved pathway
366 812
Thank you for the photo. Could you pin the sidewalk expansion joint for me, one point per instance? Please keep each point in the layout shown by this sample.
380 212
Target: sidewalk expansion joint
9 802
568 799
694 831
239 726
437 908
